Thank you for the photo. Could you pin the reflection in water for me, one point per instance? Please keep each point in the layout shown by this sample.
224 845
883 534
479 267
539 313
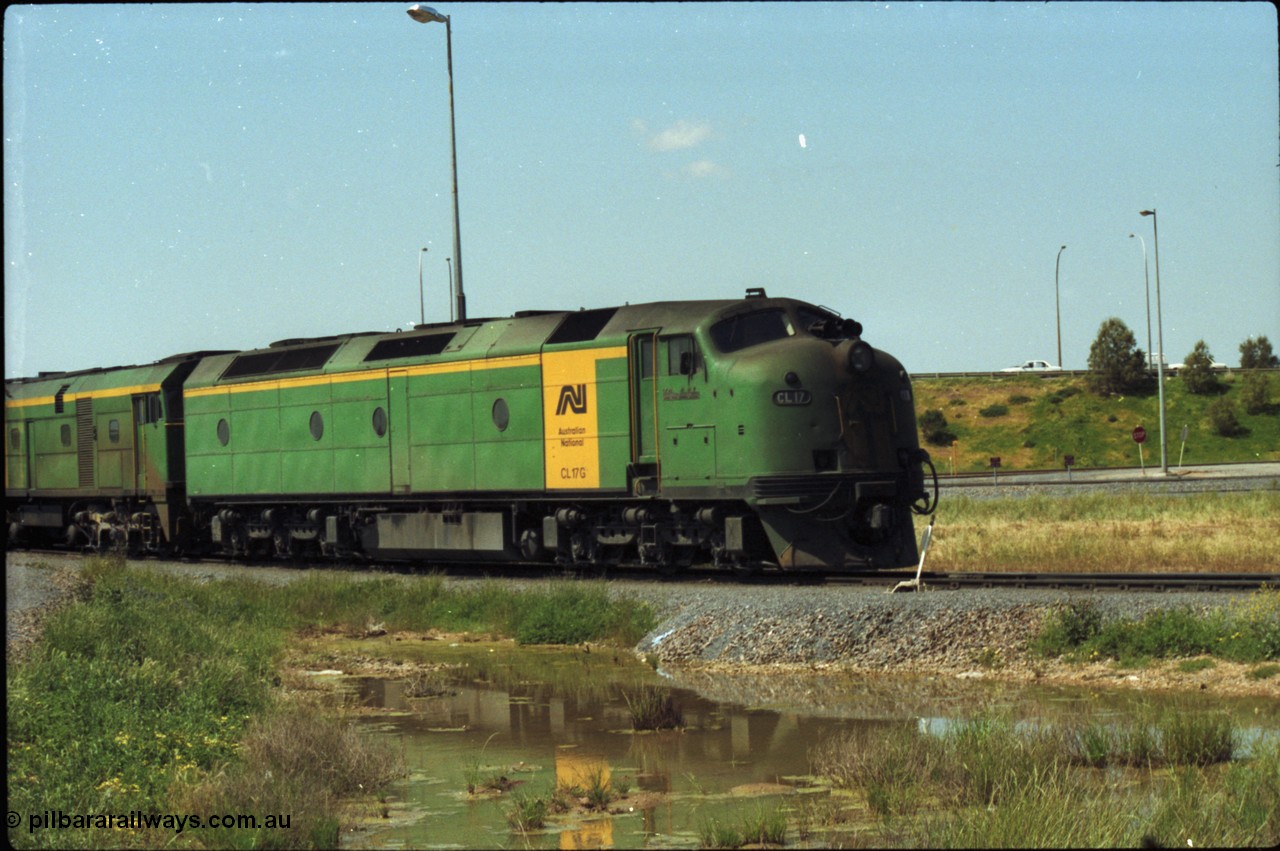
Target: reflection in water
553 731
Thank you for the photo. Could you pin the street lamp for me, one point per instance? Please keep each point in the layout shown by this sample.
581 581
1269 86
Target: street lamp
427 15
1146 283
422 303
1057 305
1155 232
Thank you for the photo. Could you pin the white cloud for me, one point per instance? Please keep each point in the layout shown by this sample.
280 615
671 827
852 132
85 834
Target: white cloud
682 134
705 168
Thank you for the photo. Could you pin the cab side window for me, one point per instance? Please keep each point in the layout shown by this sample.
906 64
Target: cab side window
682 355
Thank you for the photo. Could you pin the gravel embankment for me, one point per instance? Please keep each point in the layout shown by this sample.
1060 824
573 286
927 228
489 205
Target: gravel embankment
977 633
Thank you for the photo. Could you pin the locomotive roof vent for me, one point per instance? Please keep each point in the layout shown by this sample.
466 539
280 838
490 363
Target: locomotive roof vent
756 292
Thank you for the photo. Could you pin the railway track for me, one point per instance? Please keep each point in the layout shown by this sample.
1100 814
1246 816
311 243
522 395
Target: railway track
888 579
1072 581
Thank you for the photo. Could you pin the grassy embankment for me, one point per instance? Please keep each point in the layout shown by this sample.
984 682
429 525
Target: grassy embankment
159 695
1031 423
1099 533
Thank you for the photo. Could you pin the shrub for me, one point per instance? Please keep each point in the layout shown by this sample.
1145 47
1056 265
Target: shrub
1222 416
994 411
933 425
1019 399
1060 395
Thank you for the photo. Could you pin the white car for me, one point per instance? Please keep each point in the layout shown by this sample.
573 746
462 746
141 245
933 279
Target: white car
1215 366
1033 366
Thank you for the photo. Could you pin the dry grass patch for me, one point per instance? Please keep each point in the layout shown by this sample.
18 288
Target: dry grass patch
1202 533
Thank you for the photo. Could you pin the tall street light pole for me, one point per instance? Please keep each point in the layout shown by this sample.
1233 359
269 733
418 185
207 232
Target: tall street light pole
1146 284
1057 304
422 301
1155 234
427 15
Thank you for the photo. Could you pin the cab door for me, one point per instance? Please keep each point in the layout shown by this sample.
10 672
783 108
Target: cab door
688 431
398 429
149 446
641 349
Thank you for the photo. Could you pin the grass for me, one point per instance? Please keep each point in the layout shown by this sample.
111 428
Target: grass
1246 630
653 709
988 783
1102 532
568 612
1058 416
758 829
156 694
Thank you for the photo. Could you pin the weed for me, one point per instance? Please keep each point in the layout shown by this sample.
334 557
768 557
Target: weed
653 709
990 658
296 763
598 795
573 614
1191 666
764 828
1067 629
527 812
1197 738
1247 631
1263 672
713 833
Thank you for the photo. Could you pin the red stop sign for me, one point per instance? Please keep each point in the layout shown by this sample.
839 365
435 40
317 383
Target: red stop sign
1139 434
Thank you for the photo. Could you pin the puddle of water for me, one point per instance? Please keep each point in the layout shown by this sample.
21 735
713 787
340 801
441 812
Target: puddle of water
540 719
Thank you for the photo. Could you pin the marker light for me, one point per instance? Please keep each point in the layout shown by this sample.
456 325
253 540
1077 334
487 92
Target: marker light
861 356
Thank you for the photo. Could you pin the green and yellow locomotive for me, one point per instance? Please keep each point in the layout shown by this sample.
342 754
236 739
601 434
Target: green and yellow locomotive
745 433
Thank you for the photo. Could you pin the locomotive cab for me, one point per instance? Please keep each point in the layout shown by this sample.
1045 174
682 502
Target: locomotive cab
822 434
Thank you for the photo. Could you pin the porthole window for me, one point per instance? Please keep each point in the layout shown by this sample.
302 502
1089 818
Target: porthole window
379 422
15 439
224 432
317 425
65 433
501 415
113 431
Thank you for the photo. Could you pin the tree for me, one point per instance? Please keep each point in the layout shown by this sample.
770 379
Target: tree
1256 354
1116 364
1197 371
1255 393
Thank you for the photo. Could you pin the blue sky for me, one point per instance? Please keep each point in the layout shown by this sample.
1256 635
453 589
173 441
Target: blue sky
210 176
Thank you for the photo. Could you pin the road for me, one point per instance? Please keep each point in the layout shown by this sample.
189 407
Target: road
1258 476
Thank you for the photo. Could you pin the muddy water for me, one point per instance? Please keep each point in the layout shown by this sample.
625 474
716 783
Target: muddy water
539 719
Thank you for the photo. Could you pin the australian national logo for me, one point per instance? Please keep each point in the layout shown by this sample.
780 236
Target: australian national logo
573 397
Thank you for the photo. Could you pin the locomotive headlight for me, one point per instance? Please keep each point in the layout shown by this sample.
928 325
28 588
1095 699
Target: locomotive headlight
861 356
